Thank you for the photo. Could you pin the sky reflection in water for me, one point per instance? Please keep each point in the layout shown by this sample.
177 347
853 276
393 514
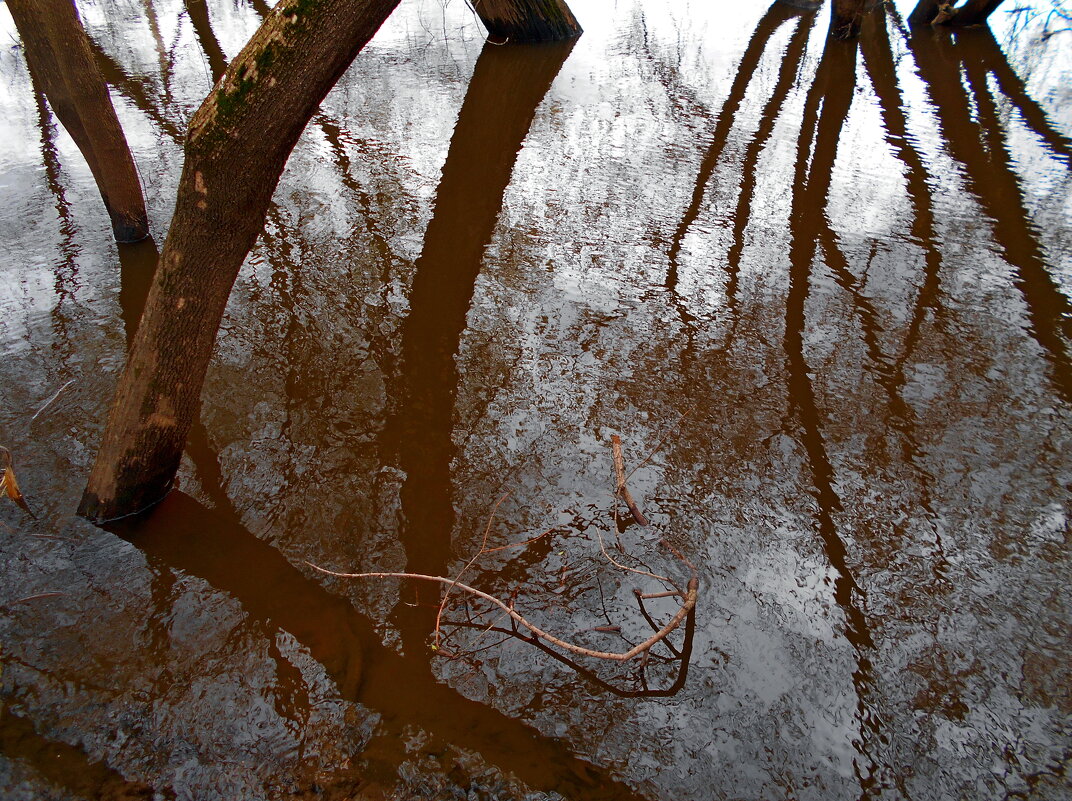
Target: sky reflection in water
843 339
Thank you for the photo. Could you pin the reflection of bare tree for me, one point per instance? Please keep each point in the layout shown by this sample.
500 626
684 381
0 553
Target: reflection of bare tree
182 534
777 15
161 49
199 18
980 146
137 266
68 229
879 64
992 59
507 85
794 55
65 272
425 703
832 90
137 90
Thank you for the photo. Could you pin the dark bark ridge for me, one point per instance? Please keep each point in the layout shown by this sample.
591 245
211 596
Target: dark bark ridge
845 19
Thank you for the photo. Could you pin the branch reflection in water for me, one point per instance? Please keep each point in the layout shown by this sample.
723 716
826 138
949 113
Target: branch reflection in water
841 269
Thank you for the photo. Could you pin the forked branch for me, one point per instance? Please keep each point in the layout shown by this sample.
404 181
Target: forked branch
524 629
688 602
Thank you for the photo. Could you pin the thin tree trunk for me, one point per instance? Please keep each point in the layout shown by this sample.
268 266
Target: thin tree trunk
527 20
197 10
845 19
236 147
61 62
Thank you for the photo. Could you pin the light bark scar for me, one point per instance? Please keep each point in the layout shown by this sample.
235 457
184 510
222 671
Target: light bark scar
164 416
201 189
180 304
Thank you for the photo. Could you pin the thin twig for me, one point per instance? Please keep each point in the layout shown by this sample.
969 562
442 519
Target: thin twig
470 563
651 622
49 402
529 541
649 595
55 537
687 605
37 597
673 689
620 566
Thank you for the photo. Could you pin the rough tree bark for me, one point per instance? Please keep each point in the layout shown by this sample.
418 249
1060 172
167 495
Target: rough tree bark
61 63
527 20
845 18
236 147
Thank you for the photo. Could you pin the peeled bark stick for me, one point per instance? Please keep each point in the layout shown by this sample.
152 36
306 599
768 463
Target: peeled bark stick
623 491
687 604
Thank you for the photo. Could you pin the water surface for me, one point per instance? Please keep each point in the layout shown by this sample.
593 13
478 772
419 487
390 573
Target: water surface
820 291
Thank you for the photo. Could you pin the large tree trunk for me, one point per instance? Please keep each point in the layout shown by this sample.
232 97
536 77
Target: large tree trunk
527 20
61 63
974 12
845 19
925 12
935 12
236 147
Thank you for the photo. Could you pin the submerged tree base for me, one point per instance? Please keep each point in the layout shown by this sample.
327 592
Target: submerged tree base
527 20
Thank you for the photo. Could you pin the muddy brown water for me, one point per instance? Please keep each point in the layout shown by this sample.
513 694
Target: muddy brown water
821 293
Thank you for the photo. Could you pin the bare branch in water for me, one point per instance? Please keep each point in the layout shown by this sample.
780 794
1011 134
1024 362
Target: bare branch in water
688 603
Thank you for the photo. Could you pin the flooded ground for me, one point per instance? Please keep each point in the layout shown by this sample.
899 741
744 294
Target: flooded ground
821 293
